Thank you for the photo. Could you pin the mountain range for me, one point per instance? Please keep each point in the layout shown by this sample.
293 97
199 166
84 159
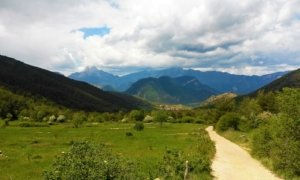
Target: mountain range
220 81
21 78
167 90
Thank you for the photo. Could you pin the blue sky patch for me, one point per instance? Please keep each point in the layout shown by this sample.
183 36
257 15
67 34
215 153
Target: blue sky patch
95 31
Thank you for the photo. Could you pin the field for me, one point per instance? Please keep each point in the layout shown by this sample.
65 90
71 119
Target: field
31 150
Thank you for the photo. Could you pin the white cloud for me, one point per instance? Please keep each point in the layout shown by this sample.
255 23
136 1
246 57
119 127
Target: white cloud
244 37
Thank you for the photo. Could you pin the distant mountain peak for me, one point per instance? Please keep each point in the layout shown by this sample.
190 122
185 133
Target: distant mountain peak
174 69
91 68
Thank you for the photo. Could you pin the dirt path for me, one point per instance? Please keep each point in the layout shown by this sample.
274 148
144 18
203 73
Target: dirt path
231 162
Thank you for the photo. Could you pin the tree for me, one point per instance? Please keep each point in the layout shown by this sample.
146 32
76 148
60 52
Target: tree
285 152
78 119
267 101
228 120
160 116
137 115
288 102
139 126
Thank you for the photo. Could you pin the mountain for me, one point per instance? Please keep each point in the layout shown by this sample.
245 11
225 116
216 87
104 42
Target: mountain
22 78
292 80
220 81
180 90
95 76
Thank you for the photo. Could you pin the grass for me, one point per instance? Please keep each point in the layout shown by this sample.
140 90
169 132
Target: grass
238 137
31 150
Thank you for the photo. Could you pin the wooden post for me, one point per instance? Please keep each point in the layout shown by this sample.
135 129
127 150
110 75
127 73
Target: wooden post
186 170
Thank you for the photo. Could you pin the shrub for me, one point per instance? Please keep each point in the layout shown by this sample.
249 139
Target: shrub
61 118
139 126
78 119
52 118
40 115
32 124
288 102
285 152
128 134
188 119
262 142
90 161
228 120
199 121
173 165
148 119
2 124
137 115
175 162
160 116
279 142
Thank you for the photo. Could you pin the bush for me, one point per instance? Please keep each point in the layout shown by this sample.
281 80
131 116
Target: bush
128 134
285 152
89 161
61 118
199 121
279 142
228 120
160 116
78 119
52 118
137 115
2 124
173 165
262 142
188 119
139 126
32 124
288 102
174 162
148 119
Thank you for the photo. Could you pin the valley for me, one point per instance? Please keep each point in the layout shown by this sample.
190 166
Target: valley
149 90
47 121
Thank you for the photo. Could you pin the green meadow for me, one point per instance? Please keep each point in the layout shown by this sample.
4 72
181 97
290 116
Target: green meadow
31 150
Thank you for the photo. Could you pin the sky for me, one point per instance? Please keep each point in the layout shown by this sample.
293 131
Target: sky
123 36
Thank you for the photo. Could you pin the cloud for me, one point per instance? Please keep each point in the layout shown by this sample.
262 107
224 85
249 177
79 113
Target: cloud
244 37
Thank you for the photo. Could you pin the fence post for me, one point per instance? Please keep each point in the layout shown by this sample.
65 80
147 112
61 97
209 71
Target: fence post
186 170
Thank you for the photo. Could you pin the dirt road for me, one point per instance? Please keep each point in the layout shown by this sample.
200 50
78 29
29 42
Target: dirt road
231 162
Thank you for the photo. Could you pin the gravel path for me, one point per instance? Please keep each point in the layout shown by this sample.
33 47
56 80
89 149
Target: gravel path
231 162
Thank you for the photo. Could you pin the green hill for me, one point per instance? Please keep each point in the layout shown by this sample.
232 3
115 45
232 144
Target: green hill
181 90
24 79
291 80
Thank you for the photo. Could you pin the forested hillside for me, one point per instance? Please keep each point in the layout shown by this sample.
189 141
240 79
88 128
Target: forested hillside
25 79
291 80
